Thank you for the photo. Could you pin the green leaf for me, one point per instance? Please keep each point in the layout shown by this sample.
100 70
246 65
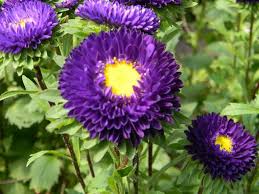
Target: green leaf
28 84
21 107
16 188
51 95
58 153
89 143
70 129
155 177
44 173
71 191
57 124
18 170
240 109
35 156
76 147
125 171
56 112
100 151
10 94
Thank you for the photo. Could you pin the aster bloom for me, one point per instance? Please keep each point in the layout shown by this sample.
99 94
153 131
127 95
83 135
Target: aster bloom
67 4
120 85
116 14
26 25
223 146
158 3
11 3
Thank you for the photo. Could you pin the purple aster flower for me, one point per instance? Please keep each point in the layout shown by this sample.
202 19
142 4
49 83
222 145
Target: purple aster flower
11 3
158 3
116 14
26 25
67 4
223 146
120 85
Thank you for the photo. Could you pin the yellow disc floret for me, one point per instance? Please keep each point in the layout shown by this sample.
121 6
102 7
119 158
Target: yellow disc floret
121 76
22 23
224 142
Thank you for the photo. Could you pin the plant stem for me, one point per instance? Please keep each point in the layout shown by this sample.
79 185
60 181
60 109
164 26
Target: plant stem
238 22
90 164
150 158
65 136
250 46
136 163
200 191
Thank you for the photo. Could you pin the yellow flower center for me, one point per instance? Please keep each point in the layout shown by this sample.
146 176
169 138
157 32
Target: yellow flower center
22 22
224 142
121 76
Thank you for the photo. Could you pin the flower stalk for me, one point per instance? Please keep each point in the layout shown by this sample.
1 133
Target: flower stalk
64 136
150 158
250 48
135 181
90 164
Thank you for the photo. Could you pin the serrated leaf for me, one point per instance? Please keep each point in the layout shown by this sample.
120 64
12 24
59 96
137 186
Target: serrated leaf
35 156
44 173
24 106
18 170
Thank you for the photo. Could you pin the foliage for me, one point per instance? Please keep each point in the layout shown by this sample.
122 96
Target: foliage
210 41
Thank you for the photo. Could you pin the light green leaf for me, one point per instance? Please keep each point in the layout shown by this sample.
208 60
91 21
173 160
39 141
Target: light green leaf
18 170
56 112
10 94
21 107
100 151
16 188
57 124
240 109
28 84
44 173
89 143
76 146
51 95
70 129
35 156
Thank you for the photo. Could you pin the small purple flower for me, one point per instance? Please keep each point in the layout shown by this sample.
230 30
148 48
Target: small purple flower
67 4
26 25
157 3
116 14
120 85
11 3
223 146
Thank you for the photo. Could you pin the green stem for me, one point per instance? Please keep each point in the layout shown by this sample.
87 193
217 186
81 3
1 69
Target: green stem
69 146
238 22
136 178
150 158
90 164
250 47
